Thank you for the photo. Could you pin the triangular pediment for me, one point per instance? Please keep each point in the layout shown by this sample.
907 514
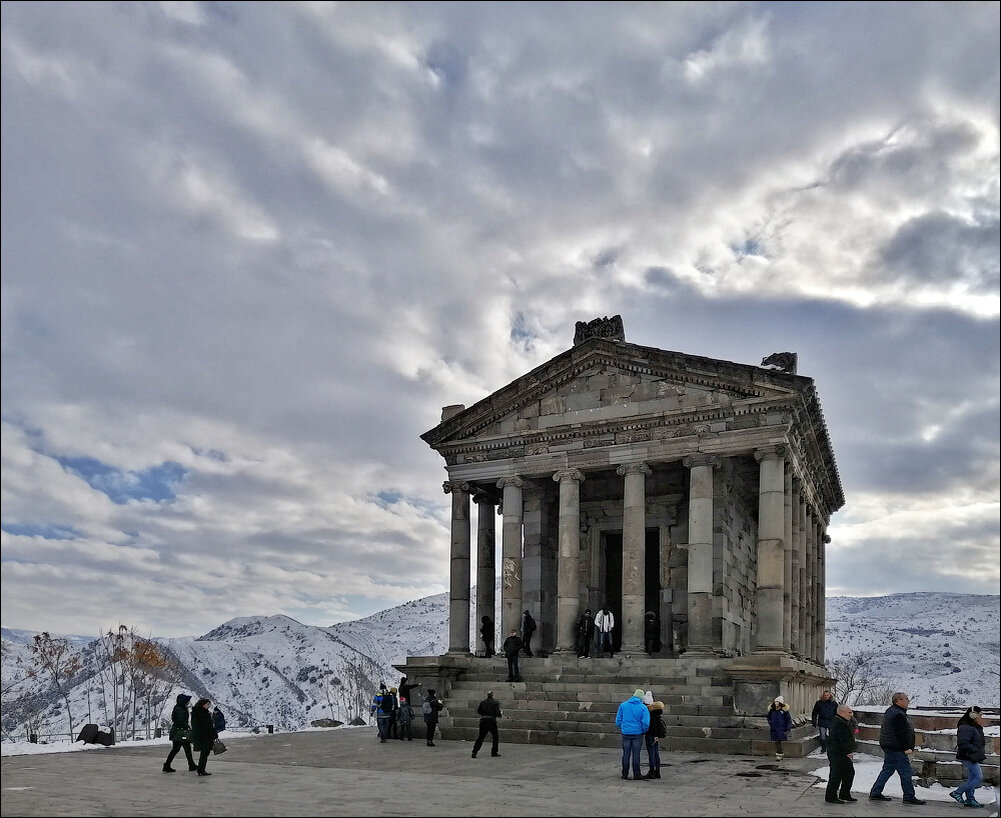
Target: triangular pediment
608 382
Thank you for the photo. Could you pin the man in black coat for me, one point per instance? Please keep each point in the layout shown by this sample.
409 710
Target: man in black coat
512 645
896 739
527 629
841 743
489 711
585 634
823 714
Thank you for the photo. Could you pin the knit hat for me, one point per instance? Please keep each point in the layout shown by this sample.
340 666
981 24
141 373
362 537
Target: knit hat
638 692
780 700
648 698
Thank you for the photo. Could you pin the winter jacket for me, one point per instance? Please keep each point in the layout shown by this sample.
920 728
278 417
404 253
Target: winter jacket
657 727
896 732
437 705
179 718
527 625
824 712
604 621
779 723
405 715
841 739
489 708
512 645
970 742
202 731
632 718
218 720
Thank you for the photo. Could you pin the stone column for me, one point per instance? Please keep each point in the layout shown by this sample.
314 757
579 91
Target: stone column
633 555
787 506
511 555
795 588
568 569
811 576
458 586
804 593
822 598
771 567
700 552
486 570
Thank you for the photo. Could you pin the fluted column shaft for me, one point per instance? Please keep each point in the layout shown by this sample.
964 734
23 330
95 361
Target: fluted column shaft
458 586
797 561
568 570
633 555
700 551
787 506
820 649
486 569
771 567
811 577
511 536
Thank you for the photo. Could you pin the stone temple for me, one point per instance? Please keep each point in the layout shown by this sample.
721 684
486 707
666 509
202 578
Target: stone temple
640 480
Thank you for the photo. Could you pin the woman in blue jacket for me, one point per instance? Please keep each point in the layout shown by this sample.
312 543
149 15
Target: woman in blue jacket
779 724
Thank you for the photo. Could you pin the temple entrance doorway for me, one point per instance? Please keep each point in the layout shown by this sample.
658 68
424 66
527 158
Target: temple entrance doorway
611 585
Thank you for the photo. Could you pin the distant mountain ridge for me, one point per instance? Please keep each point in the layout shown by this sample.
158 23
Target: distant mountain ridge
276 670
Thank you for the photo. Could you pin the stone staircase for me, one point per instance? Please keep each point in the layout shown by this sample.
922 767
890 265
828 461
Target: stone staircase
574 702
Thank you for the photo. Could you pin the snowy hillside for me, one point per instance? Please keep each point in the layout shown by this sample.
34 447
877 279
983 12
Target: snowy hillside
275 670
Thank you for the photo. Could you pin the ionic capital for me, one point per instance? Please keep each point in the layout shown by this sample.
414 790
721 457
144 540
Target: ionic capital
568 474
450 486
483 499
701 459
770 452
515 481
634 468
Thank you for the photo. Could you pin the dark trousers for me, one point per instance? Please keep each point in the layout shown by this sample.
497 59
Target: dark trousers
526 644
489 648
203 758
513 674
176 748
430 725
842 776
487 726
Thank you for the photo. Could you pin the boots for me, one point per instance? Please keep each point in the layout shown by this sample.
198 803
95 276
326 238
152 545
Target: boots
168 769
779 756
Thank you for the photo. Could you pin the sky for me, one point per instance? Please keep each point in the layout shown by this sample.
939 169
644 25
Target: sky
249 250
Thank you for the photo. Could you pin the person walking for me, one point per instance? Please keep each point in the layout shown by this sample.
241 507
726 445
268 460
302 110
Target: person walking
384 714
487 635
527 629
585 634
840 744
203 734
512 646
489 711
218 720
633 720
970 752
779 724
654 734
179 734
392 731
604 624
824 711
430 709
896 739
404 718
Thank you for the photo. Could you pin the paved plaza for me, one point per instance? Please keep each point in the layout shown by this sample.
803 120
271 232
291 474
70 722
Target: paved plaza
348 772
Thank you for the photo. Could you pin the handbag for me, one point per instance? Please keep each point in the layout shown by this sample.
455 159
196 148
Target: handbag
218 747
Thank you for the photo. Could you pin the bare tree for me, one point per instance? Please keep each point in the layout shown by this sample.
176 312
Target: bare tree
858 681
54 659
159 671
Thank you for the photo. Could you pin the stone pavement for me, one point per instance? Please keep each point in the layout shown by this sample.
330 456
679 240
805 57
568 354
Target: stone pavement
348 772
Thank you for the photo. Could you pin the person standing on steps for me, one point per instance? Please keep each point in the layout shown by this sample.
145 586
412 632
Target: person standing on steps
896 739
527 629
489 711
487 635
512 646
179 734
585 634
430 709
970 752
604 624
633 720
841 743
203 734
779 724
823 714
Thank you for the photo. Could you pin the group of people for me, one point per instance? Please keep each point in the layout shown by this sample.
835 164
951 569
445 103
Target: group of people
838 730
196 729
395 715
640 720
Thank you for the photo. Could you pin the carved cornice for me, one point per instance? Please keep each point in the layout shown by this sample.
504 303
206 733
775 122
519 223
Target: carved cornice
568 474
770 453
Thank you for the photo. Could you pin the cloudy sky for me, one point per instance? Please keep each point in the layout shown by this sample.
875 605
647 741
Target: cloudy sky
251 249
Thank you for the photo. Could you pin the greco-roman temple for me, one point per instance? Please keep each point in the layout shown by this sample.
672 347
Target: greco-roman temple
640 480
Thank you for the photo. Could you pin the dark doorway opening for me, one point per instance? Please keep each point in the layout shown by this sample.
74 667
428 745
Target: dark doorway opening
613 582
652 590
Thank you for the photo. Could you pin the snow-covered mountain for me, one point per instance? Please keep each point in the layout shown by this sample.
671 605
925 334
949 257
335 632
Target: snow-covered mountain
275 670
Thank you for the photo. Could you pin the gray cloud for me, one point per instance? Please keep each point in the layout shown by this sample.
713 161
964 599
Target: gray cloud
266 243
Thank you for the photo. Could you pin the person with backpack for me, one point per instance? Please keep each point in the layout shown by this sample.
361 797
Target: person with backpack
430 709
384 714
527 629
